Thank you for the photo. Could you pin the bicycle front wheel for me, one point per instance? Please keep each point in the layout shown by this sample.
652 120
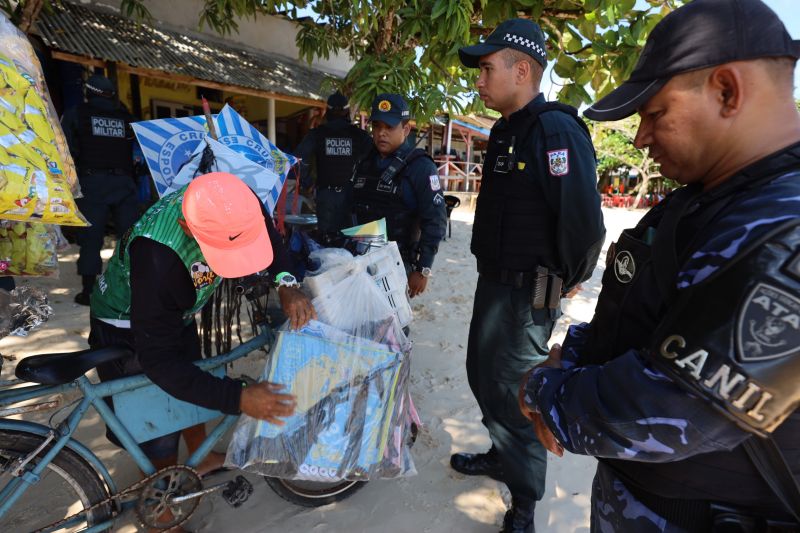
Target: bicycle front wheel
67 486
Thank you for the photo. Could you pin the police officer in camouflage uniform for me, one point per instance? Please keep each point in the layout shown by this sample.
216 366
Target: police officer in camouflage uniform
398 182
685 383
101 143
333 148
537 234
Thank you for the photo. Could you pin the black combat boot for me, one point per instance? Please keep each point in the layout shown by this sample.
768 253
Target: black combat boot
82 298
478 464
519 519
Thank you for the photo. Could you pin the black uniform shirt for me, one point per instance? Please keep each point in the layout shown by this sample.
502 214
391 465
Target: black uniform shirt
422 193
555 167
305 151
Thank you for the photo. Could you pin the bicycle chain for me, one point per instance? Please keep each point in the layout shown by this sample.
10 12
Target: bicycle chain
118 496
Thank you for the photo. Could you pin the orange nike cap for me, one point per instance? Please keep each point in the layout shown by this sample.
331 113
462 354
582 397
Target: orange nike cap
225 218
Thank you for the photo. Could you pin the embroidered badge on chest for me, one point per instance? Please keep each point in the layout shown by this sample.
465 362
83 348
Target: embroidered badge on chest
558 161
624 267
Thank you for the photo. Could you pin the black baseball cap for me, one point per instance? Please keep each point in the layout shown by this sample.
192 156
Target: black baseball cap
520 34
390 108
338 101
702 34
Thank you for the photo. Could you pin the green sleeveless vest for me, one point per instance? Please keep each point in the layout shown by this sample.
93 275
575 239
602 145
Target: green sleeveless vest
111 297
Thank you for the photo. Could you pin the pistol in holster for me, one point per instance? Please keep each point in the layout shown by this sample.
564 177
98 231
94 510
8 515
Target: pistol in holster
546 289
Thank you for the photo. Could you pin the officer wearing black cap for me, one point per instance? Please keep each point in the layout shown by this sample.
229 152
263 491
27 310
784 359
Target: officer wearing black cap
537 234
101 143
333 148
685 383
398 182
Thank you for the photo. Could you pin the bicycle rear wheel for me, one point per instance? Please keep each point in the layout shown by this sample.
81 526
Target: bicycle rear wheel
67 486
313 493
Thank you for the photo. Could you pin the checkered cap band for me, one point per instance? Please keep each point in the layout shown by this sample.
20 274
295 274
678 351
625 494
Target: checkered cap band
527 43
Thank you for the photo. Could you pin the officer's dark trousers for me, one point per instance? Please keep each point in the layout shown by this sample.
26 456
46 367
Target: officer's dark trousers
333 209
103 193
506 339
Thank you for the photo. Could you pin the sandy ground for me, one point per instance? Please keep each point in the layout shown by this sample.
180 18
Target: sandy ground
437 499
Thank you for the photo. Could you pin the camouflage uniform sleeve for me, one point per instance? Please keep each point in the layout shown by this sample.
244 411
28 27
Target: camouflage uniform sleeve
625 409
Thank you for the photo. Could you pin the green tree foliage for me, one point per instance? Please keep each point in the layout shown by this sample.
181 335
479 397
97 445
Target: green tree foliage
411 46
613 142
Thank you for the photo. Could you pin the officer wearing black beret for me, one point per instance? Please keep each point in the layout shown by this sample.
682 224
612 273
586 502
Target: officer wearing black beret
685 383
537 235
333 150
400 183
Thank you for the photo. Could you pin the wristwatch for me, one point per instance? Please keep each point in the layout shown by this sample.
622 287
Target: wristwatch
425 271
285 279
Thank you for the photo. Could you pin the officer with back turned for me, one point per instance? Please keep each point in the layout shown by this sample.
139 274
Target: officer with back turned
333 149
537 235
398 182
685 383
101 143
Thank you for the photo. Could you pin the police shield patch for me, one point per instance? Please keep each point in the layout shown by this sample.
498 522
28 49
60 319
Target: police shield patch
558 161
768 325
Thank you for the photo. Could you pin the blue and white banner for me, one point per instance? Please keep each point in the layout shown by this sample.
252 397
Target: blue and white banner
167 144
264 182
239 135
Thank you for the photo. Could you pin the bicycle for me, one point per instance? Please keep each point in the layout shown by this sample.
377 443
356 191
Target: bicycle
52 482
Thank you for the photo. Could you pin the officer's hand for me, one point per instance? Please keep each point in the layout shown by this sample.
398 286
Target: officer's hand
296 306
416 284
574 290
263 401
553 358
546 436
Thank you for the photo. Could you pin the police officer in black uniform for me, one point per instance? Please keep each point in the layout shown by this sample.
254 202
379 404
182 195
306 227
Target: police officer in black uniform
101 143
399 183
334 148
537 235
685 383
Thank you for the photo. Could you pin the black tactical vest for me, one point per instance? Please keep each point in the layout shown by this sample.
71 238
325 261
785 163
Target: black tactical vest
514 227
378 194
104 141
631 306
336 155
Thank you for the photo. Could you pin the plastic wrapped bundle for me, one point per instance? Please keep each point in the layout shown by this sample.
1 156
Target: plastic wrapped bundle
353 408
23 309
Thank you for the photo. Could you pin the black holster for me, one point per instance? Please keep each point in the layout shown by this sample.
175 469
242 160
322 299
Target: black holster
546 289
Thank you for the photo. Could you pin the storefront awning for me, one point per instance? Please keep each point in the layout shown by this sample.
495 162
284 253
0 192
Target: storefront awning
78 31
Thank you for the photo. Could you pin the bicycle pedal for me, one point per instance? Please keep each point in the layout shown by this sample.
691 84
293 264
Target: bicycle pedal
238 491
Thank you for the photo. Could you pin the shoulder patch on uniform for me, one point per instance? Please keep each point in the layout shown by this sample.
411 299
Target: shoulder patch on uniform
768 325
558 161
435 185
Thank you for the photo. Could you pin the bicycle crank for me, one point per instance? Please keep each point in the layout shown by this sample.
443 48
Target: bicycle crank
169 497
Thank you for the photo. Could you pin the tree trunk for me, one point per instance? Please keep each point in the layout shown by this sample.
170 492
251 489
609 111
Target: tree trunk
30 12
642 189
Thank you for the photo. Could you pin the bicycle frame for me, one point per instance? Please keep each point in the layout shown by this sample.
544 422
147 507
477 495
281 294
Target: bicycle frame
93 395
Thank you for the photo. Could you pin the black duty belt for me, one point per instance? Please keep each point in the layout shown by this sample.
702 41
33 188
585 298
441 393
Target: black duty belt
334 188
701 516
545 285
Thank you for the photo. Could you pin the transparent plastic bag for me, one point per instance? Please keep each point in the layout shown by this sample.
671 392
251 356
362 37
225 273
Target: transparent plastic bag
16 47
22 310
28 249
354 411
